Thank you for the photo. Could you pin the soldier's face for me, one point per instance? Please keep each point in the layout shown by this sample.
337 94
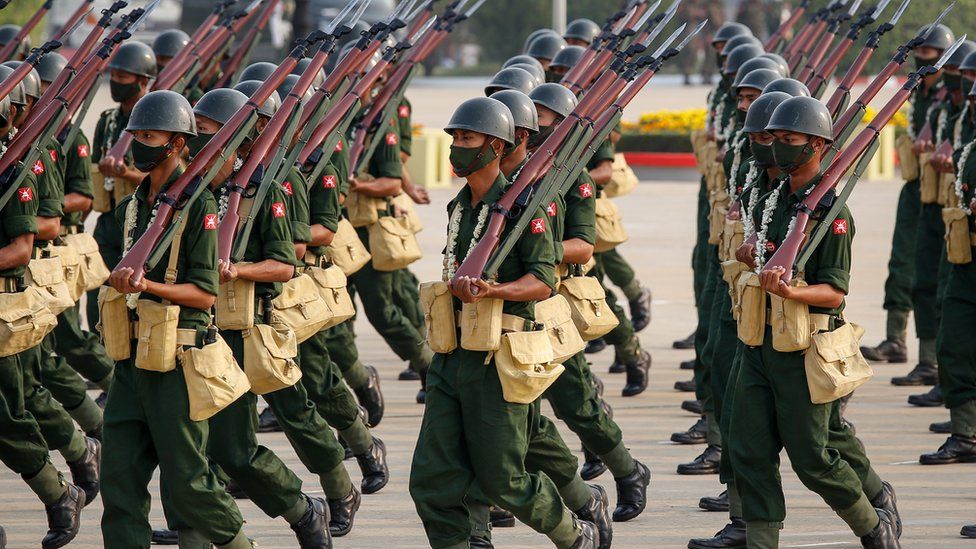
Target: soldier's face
152 138
746 97
926 52
206 125
577 42
468 139
123 77
718 46
762 138
547 116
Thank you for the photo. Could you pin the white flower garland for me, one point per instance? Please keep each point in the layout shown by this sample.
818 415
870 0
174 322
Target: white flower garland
957 129
710 114
959 171
763 234
717 121
746 216
454 228
224 201
109 182
941 124
737 147
6 140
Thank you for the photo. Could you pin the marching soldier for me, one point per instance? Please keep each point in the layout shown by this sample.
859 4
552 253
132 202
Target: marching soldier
544 47
9 32
167 45
581 32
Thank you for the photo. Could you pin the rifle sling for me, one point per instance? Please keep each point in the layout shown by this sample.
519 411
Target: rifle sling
76 124
32 155
388 109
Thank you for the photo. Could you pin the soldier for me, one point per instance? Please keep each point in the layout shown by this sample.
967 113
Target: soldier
771 405
545 47
898 301
512 78
23 447
167 45
581 32
147 421
564 60
9 32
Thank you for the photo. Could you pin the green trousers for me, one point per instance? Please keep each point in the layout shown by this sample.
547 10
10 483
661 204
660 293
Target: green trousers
623 334
67 387
147 424
23 449
341 345
956 344
931 271
721 352
699 257
901 263
233 445
80 348
617 268
56 424
469 435
406 291
770 411
385 314
705 305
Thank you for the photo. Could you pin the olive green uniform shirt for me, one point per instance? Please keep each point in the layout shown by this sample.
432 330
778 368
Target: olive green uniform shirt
77 175
404 122
50 186
323 204
296 190
19 217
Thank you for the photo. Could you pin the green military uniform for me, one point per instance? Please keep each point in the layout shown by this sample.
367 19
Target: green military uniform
771 406
147 420
464 394
407 288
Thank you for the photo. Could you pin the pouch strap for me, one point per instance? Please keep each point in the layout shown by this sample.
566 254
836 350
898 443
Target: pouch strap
174 255
71 229
510 323
11 284
186 337
818 322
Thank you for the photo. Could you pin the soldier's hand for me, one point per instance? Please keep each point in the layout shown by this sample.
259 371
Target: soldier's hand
121 280
228 271
771 280
105 167
746 254
922 145
398 211
418 194
470 290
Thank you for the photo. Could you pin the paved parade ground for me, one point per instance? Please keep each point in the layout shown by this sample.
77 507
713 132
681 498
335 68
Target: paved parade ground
933 500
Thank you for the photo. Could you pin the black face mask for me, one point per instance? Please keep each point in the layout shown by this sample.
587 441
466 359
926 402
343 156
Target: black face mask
952 81
146 157
763 154
552 77
122 92
740 118
539 138
919 62
509 150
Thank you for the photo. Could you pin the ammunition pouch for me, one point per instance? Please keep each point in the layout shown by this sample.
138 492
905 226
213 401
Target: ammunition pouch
347 251
947 190
405 203
235 308
524 363
393 244
610 231
437 304
47 275
623 180
93 272
114 323
929 183
588 306
301 308
733 235
269 358
214 380
331 284
959 243
907 158
481 325
752 309
833 364
556 317
790 322
718 209
156 332
71 267
24 321
732 270
363 210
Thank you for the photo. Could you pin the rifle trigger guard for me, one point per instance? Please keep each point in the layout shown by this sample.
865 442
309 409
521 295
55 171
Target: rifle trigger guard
247 192
496 208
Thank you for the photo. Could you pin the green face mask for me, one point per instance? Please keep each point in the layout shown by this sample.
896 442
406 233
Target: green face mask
790 157
540 137
763 154
509 150
122 92
196 144
468 160
552 77
952 81
740 118
145 157
919 62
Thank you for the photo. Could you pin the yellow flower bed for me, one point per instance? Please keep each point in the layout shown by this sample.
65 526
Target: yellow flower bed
687 121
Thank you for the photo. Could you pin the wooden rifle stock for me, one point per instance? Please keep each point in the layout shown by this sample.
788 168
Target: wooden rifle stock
869 93
816 30
196 38
247 44
818 53
777 37
9 48
599 53
837 99
801 36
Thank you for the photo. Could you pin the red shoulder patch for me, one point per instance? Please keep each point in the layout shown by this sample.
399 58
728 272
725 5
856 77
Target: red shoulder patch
82 151
770 246
278 209
840 226
54 155
210 222
403 111
286 185
586 190
338 146
392 139
329 181
25 194
38 167
551 209
538 225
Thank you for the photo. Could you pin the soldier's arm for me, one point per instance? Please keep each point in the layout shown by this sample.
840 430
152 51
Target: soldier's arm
278 247
324 208
20 223
579 233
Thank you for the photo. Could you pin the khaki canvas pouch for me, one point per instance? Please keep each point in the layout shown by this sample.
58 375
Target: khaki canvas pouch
588 306
71 265
834 365
732 237
114 323
24 321
524 365
331 283
716 221
481 325
623 180
93 271
301 308
47 275
947 190
752 310
610 231
269 358
556 316
929 184
156 335
907 158
101 197
393 244
959 246
347 251
437 304
214 380
234 308
790 321
405 203
363 210
732 269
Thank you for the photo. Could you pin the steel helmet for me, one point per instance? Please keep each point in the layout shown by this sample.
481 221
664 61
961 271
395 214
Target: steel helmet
969 63
556 98
962 53
582 29
248 87
258 71
941 38
791 86
17 95
739 41
753 65
170 42
524 59
546 46
739 56
163 110
522 108
784 67
50 66
220 104
535 34
729 31
288 84
538 76
9 32
484 115
802 115
761 110
511 79
136 58
300 68
5 109
32 83
757 79
567 58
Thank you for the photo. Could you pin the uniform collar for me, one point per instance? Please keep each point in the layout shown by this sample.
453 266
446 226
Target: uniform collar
494 193
142 191
801 193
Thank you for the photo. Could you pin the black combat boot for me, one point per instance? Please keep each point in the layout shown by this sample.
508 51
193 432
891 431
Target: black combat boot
883 536
687 386
696 434
597 511
640 309
956 449
686 343
705 464
84 472
931 399
889 350
923 373
719 503
422 393
593 466
632 493
64 518
595 346
941 427
342 512
638 375
164 536
312 530
731 536
687 365
887 500
500 518
267 422
693 406
373 465
478 542
408 375
589 536
371 397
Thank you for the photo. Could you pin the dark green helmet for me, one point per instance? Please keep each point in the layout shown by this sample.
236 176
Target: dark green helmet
31 83
169 43
163 110
555 97
9 32
729 31
248 87
522 108
535 34
220 104
546 46
941 38
258 71
790 86
962 53
288 84
802 115
136 58
757 79
511 79
739 41
4 110
739 56
484 115
568 58
762 110
300 68
582 29
524 59
538 75
50 66
784 67
754 65
968 64
17 95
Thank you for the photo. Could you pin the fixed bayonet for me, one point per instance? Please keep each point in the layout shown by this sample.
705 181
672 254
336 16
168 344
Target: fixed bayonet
670 40
854 8
691 35
879 9
342 14
948 53
931 28
145 14
473 9
660 26
898 14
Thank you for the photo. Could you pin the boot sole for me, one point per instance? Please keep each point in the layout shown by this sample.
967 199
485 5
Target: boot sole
968 459
713 508
679 438
693 472
913 383
503 523
593 474
926 404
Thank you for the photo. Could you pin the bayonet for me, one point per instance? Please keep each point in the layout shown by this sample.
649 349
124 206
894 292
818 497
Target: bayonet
421 7
854 8
931 28
898 14
643 20
660 26
77 24
148 9
691 35
473 9
948 53
879 9
623 20
670 40
342 14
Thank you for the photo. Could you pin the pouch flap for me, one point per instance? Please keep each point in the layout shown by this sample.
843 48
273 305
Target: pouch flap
13 307
530 347
214 359
279 340
345 232
605 208
68 255
46 272
83 243
583 288
296 291
953 214
553 311
152 312
750 279
434 289
395 225
839 345
332 277
107 294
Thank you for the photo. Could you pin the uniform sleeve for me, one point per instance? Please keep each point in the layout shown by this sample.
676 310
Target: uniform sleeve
581 211
199 245
109 235
77 177
98 138
20 213
296 189
323 202
834 253
275 226
49 187
386 159
603 153
535 249
404 122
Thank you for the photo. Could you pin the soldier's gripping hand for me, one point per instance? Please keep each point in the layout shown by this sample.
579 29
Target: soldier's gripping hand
121 280
228 271
771 280
470 290
746 254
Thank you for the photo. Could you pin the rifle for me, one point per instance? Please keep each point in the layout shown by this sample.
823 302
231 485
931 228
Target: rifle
613 27
205 63
217 14
818 81
838 100
189 185
10 47
76 18
820 49
243 53
22 70
786 255
818 23
774 41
